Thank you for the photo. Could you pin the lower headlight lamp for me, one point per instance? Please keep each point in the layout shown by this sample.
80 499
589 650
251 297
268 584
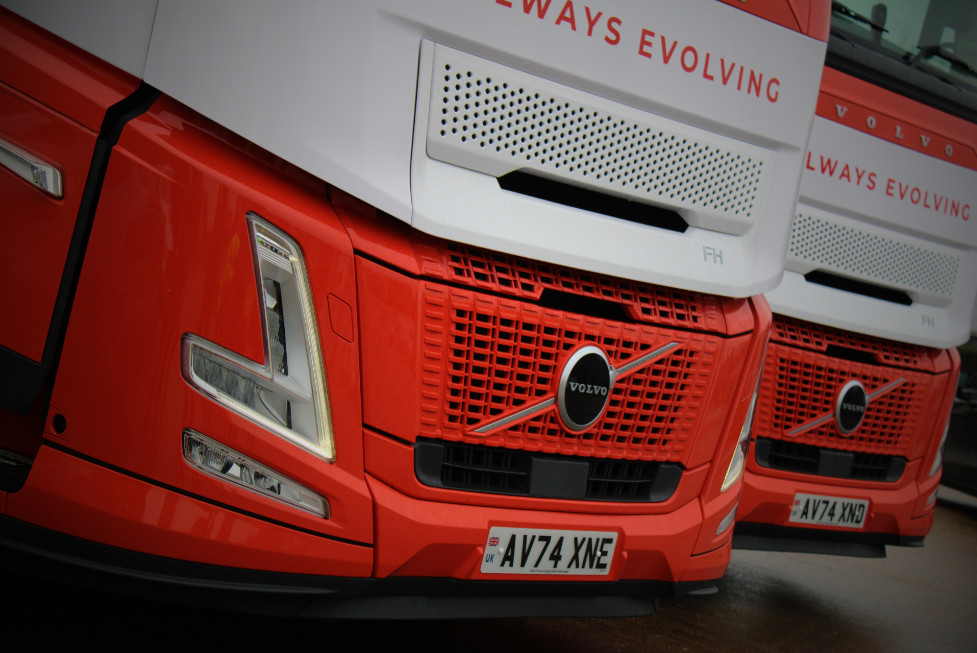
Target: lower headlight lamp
224 463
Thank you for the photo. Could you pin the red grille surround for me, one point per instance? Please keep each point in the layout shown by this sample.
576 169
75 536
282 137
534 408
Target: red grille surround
463 344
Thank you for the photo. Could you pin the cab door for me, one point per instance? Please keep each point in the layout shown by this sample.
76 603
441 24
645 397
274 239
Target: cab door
53 102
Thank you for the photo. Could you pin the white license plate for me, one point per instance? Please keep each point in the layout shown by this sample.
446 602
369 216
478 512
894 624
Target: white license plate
541 551
828 511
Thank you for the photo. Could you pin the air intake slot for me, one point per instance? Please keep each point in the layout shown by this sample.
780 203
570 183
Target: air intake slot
852 355
589 200
823 278
591 306
496 470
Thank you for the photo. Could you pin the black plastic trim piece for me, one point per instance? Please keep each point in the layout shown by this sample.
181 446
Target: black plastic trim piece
31 550
768 537
821 461
497 470
859 287
21 379
591 200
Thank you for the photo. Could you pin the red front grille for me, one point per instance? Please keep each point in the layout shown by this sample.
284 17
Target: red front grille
806 367
510 275
801 387
487 356
819 338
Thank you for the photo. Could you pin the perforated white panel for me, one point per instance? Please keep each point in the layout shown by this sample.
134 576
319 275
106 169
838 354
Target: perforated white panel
503 117
873 257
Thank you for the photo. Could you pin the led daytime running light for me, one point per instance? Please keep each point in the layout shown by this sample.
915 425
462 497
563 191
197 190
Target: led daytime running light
288 394
738 462
226 464
727 521
938 460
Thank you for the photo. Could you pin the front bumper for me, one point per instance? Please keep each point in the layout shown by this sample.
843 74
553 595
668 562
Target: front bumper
900 515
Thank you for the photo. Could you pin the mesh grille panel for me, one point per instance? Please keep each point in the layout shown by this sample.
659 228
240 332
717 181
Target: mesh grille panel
494 112
873 257
800 387
486 356
518 277
818 338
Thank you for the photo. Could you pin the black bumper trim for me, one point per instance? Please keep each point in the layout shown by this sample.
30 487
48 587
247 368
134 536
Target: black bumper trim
767 537
31 550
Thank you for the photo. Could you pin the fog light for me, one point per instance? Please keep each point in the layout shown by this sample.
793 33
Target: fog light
226 464
727 521
287 394
932 498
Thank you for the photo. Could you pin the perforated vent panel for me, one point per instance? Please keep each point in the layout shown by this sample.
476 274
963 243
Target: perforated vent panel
488 112
873 257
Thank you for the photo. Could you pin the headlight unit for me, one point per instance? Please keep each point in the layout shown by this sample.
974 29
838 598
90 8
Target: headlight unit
738 462
287 395
938 459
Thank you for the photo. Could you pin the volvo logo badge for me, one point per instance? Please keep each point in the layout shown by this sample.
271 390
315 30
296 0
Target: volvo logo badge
585 387
850 407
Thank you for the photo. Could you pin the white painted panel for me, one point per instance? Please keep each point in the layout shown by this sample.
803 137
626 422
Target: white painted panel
116 31
332 87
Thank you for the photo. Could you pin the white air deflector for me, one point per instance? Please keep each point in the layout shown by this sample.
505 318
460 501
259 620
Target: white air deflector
493 119
909 264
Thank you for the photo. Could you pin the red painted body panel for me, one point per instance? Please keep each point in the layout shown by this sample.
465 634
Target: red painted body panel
170 254
900 120
809 17
52 101
898 511
87 500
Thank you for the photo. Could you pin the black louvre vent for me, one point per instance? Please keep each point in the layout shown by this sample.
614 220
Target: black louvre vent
595 201
522 473
859 287
807 459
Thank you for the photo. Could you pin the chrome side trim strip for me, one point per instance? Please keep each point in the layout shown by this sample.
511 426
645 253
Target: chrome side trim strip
643 360
525 412
616 373
42 175
818 421
881 391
